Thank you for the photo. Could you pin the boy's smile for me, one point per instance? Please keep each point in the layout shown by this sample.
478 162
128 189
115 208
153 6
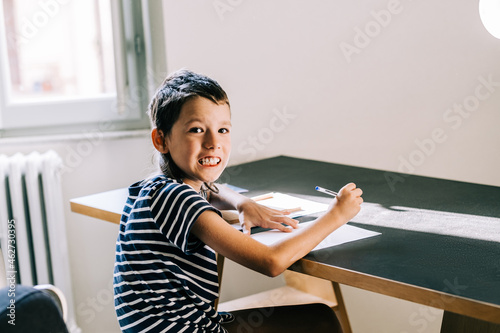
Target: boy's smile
200 140
209 161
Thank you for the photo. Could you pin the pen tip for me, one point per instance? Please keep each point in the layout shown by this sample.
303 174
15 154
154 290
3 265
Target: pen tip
317 188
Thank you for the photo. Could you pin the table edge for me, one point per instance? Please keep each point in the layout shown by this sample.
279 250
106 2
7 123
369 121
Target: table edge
95 212
438 299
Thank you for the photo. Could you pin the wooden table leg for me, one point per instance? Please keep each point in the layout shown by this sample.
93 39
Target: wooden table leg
220 269
341 311
456 323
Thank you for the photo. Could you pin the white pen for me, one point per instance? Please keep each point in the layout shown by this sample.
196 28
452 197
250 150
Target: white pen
327 191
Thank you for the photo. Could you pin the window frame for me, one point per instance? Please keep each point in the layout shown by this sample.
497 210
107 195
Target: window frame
135 58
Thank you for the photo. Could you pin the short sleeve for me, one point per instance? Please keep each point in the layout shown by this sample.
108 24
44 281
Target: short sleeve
175 207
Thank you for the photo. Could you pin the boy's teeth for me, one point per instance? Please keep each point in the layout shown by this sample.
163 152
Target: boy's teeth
210 161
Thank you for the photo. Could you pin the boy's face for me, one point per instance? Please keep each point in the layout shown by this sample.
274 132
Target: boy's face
200 140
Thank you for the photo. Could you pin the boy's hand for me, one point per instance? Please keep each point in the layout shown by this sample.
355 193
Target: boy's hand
252 214
347 203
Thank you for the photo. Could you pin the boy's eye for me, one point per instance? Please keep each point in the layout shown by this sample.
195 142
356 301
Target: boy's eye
224 130
195 130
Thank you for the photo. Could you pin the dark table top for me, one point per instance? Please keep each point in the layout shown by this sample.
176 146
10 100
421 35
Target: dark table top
436 234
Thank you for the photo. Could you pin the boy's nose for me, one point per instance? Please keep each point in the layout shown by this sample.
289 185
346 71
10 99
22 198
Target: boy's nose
211 141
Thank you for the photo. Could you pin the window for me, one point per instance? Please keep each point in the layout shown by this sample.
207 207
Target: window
67 64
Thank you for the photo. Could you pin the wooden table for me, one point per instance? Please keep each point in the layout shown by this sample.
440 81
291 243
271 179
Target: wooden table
439 243
107 206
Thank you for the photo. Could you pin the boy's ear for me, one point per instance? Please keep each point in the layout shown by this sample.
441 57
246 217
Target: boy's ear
159 141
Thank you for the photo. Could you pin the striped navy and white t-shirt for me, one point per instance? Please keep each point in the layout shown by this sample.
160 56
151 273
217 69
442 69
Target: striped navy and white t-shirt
165 279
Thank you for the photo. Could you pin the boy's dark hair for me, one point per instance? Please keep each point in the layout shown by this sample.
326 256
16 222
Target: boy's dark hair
167 102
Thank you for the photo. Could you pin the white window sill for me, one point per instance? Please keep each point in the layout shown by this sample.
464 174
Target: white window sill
58 138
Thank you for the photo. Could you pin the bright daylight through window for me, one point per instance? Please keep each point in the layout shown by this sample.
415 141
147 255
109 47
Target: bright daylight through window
59 64
59 49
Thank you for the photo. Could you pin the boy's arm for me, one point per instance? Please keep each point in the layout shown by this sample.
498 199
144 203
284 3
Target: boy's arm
226 198
273 259
251 214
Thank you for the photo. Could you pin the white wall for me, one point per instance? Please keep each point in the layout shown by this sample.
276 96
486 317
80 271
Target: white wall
367 109
366 83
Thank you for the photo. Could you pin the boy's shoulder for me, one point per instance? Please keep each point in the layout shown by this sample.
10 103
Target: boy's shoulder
152 186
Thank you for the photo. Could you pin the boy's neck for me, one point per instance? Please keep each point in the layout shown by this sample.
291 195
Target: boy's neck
196 185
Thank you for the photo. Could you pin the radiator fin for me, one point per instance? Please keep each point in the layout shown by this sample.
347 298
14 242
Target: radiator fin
31 196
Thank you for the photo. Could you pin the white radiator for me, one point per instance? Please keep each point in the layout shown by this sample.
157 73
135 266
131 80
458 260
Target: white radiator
31 204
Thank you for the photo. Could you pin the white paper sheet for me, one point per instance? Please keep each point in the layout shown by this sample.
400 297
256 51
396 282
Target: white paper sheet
346 233
280 201
284 201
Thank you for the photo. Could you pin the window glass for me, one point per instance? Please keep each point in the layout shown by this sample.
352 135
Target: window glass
58 49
